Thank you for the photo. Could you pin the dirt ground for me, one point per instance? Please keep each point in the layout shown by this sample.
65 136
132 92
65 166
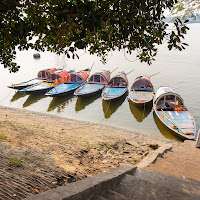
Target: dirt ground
183 161
40 151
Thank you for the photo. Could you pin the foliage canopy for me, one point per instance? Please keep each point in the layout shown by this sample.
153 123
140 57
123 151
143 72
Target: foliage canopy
64 26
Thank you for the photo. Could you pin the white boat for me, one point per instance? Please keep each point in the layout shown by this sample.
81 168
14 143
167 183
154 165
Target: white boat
170 109
42 76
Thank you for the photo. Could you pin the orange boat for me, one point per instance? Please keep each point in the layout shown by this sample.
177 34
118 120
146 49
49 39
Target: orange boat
46 85
75 80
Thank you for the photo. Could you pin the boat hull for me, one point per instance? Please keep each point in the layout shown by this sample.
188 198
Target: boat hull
175 131
62 90
88 90
141 98
112 94
26 84
38 88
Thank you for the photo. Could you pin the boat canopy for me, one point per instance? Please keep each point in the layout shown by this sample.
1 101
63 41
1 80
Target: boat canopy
79 76
100 77
119 80
45 73
166 97
58 74
142 83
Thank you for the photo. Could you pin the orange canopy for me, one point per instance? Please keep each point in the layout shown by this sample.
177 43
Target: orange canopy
58 74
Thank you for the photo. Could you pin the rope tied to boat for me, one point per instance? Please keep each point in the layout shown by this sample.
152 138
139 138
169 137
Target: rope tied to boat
100 122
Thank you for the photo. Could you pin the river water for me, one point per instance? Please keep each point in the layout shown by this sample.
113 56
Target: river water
178 70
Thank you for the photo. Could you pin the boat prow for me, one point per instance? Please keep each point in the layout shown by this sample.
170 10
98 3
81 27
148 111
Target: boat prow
25 84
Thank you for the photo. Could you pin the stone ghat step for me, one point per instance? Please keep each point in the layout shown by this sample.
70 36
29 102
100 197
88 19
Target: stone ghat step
147 185
168 181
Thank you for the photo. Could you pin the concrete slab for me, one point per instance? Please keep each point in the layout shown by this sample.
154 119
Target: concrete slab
86 188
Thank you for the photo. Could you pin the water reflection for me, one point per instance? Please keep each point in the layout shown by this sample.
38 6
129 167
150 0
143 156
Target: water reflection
82 102
60 103
17 96
163 129
140 113
109 107
33 98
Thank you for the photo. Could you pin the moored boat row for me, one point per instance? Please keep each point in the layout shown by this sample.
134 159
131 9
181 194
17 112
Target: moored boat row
167 105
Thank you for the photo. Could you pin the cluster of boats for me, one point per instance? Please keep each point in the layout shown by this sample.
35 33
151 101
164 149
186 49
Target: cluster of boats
168 106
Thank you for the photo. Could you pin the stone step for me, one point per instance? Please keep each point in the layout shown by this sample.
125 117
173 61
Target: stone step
112 195
147 185
98 198
172 182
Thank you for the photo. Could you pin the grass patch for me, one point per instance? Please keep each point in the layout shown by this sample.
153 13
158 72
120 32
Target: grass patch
109 146
3 136
41 158
134 161
154 146
16 162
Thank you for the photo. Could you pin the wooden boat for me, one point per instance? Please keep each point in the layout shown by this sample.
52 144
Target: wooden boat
117 87
76 79
95 84
42 76
171 111
46 85
142 91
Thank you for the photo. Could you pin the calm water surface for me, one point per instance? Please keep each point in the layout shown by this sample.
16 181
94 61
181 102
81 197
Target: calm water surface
178 70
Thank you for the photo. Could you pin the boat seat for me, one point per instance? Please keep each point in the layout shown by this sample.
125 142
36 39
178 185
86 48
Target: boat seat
165 108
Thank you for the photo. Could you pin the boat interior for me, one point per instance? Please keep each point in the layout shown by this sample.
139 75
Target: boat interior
142 85
75 78
97 78
118 82
43 75
170 103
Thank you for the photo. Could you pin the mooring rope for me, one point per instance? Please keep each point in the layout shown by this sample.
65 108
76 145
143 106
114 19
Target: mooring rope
100 122
6 97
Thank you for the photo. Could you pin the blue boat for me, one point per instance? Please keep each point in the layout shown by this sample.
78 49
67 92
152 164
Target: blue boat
170 109
142 91
94 85
116 88
76 79
41 77
46 85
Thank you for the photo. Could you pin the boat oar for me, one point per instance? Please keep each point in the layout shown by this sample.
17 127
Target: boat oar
169 118
113 70
90 71
154 74
92 66
130 71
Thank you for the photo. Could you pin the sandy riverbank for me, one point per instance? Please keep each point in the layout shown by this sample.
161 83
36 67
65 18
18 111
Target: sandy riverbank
183 161
41 151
